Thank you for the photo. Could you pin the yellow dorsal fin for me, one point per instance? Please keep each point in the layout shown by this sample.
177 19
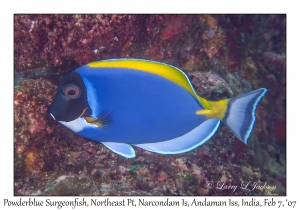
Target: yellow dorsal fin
215 109
169 72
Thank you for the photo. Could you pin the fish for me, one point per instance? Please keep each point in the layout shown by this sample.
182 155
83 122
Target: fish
151 105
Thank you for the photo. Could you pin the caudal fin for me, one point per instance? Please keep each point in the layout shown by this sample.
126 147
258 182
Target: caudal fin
240 115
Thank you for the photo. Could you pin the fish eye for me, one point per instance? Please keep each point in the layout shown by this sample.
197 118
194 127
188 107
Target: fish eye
72 91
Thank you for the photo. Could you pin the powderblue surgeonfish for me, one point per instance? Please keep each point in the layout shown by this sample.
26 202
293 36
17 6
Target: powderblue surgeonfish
130 102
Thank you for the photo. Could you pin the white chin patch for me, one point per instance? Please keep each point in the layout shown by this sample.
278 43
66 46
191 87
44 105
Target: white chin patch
77 125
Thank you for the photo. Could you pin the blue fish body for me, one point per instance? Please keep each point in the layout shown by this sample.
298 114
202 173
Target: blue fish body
147 104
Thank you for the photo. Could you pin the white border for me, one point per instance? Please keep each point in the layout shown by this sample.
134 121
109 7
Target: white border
8 8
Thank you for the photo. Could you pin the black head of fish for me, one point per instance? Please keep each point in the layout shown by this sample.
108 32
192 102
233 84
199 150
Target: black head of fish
70 101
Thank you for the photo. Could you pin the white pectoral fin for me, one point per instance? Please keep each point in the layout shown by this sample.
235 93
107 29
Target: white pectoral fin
187 142
120 148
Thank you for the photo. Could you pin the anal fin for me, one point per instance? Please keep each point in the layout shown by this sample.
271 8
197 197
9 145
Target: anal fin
184 143
120 148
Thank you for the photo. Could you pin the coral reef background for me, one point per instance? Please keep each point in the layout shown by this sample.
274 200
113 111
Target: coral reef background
224 55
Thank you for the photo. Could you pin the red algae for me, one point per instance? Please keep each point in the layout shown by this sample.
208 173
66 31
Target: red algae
174 25
61 39
280 130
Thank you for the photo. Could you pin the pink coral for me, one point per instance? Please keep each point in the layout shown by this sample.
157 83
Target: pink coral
274 58
161 176
58 39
